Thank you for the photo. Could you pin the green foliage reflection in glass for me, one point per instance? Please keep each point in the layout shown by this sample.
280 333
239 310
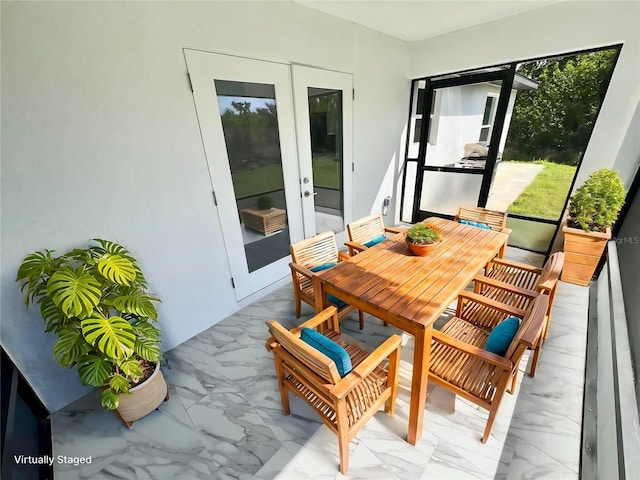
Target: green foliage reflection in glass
95 300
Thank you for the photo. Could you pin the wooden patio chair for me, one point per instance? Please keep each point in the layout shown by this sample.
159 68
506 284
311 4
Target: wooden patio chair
309 257
367 232
345 403
494 219
460 363
516 284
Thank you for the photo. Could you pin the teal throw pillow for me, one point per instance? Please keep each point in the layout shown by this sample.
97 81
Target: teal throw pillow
375 241
329 348
502 335
475 224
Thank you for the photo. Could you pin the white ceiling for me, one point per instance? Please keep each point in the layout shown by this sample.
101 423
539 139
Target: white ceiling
421 19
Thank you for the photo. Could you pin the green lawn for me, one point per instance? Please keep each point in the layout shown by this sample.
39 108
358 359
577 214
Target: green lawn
325 171
258 180
545 196
264 179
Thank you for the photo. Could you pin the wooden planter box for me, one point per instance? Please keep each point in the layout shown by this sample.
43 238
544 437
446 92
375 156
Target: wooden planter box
264 221
582 252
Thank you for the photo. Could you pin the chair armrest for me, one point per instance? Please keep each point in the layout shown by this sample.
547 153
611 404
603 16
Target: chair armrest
355 246
395 230
302 270
319 319
506 230
342 256
472 350
521 266
503 307
481 279
368 365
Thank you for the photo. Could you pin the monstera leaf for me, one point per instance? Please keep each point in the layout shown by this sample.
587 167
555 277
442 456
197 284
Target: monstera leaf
94 370
52 315
109 399
113 336
118 269
131 367
33 272
75 291
135 301
70 347
119 384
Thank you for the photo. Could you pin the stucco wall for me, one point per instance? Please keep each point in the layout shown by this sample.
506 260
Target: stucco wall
100 139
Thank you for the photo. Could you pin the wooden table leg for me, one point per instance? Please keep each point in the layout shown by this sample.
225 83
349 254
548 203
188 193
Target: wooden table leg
320 294
419 382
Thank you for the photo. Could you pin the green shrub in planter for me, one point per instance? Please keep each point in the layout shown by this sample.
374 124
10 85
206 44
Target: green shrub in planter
265 202
597 202
95 300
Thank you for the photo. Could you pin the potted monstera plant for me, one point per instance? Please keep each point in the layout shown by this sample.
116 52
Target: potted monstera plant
593 209
96 301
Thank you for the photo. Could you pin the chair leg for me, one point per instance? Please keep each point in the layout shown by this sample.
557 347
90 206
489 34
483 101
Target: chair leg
494 409
514 379
343 446
534 361
284 394
361 318
298 306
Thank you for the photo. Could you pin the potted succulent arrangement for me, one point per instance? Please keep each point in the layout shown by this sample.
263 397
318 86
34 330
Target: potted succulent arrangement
423 237
95 300
593 209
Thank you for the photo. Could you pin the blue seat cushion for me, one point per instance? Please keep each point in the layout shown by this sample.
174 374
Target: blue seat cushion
475 224
375 241
502 335
329 348
324 266
336 301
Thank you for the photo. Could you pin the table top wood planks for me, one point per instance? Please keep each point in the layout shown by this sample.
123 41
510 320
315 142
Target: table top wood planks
411 292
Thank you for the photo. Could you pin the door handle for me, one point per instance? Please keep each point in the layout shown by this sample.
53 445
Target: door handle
308 194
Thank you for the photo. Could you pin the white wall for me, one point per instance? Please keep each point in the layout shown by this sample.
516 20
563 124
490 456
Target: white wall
557 29
100 139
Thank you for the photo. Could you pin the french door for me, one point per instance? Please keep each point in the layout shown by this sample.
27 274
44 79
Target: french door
323 111
264 188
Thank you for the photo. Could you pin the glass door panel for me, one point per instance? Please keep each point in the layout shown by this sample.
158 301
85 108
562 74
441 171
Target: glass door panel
249 116
325 118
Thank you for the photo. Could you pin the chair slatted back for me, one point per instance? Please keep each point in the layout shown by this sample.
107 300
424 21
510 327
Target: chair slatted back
316 250
366 229
311 359
496 220
530 328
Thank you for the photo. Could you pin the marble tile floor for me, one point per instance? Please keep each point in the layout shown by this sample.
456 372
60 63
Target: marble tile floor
224 418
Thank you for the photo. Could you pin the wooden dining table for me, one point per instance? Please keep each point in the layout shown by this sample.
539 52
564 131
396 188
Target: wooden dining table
411 292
